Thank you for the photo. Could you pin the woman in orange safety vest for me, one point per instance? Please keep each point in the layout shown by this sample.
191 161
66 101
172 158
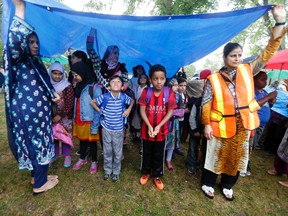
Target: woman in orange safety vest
229 112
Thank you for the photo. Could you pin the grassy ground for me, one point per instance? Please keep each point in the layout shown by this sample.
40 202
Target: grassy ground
80 193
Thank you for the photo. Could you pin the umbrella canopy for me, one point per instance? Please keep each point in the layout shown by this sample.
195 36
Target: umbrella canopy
279 61
278 74
60 59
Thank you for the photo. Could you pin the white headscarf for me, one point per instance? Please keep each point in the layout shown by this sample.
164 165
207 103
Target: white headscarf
63 83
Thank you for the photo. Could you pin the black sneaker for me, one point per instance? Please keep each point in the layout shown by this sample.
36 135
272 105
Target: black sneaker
179 152
191 171
115 178
106 176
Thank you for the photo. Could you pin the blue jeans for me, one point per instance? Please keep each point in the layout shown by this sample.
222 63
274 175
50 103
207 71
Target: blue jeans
257 136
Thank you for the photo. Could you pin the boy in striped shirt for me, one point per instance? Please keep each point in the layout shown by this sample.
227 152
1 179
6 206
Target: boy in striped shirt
112 108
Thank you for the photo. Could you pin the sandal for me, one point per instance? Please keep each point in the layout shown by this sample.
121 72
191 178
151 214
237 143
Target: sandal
227 193
169 165
208 191
283 183
47 186
273 172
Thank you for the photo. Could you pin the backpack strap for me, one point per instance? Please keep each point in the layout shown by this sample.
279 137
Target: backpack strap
92 89
123 97
148 94
166 94
117 69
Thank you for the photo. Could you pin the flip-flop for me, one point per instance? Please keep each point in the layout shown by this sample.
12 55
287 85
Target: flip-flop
273 172
227 193
208 191
283 183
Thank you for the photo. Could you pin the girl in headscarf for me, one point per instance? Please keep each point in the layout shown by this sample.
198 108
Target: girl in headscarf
62 113
85 117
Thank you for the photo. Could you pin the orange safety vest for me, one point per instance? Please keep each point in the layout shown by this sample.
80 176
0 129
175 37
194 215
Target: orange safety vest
223 112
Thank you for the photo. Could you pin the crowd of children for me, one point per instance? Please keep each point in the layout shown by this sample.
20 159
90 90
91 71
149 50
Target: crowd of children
160 108
103 100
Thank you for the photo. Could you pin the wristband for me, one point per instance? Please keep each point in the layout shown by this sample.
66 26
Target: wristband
280 23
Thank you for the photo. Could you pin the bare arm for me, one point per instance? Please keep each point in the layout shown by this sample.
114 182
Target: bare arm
19 8
271 98
279 15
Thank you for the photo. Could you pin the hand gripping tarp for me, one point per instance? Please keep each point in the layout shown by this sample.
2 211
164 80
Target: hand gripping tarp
172 41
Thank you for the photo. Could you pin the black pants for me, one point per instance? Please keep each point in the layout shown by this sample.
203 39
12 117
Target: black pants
93 150
153 158
209 179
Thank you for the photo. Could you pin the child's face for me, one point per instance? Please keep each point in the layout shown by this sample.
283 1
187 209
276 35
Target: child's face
182 87
143 80
261 81
115 85
158 80
175 87
77 77
56 75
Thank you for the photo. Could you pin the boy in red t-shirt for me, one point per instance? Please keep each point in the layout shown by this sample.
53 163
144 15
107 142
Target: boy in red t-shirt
155 113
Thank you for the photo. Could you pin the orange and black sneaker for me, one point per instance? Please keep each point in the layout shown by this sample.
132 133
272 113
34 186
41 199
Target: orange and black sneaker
159 184
144 179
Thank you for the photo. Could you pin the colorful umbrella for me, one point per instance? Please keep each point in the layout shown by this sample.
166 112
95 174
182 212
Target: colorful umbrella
279 61
278 74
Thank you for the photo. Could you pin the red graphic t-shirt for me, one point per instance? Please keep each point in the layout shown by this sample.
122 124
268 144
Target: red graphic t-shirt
156 111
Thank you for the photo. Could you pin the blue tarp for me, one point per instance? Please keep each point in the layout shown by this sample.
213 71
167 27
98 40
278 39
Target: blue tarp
281 101
173 41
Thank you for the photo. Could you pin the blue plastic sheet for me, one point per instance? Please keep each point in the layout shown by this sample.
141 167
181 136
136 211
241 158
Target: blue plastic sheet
173 41
281 101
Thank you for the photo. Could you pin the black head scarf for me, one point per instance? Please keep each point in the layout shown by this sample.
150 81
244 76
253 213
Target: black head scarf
82 69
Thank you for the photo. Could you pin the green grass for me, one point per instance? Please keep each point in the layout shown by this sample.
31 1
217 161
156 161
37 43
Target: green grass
79 193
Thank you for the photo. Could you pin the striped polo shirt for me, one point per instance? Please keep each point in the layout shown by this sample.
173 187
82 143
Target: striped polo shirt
112 114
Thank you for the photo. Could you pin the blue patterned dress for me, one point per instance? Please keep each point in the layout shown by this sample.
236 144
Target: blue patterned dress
28 93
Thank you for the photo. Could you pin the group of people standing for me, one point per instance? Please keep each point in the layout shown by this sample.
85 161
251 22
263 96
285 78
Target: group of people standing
97 93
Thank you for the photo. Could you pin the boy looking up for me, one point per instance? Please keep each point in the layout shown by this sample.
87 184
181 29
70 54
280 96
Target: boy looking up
112 108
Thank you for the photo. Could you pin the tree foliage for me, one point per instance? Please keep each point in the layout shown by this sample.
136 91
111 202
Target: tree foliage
256 35
177 7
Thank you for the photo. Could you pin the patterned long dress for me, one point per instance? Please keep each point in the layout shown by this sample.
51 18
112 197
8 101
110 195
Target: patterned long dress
28 100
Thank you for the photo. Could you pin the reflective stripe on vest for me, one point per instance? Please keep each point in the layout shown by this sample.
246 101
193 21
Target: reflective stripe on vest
249 117
217 114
